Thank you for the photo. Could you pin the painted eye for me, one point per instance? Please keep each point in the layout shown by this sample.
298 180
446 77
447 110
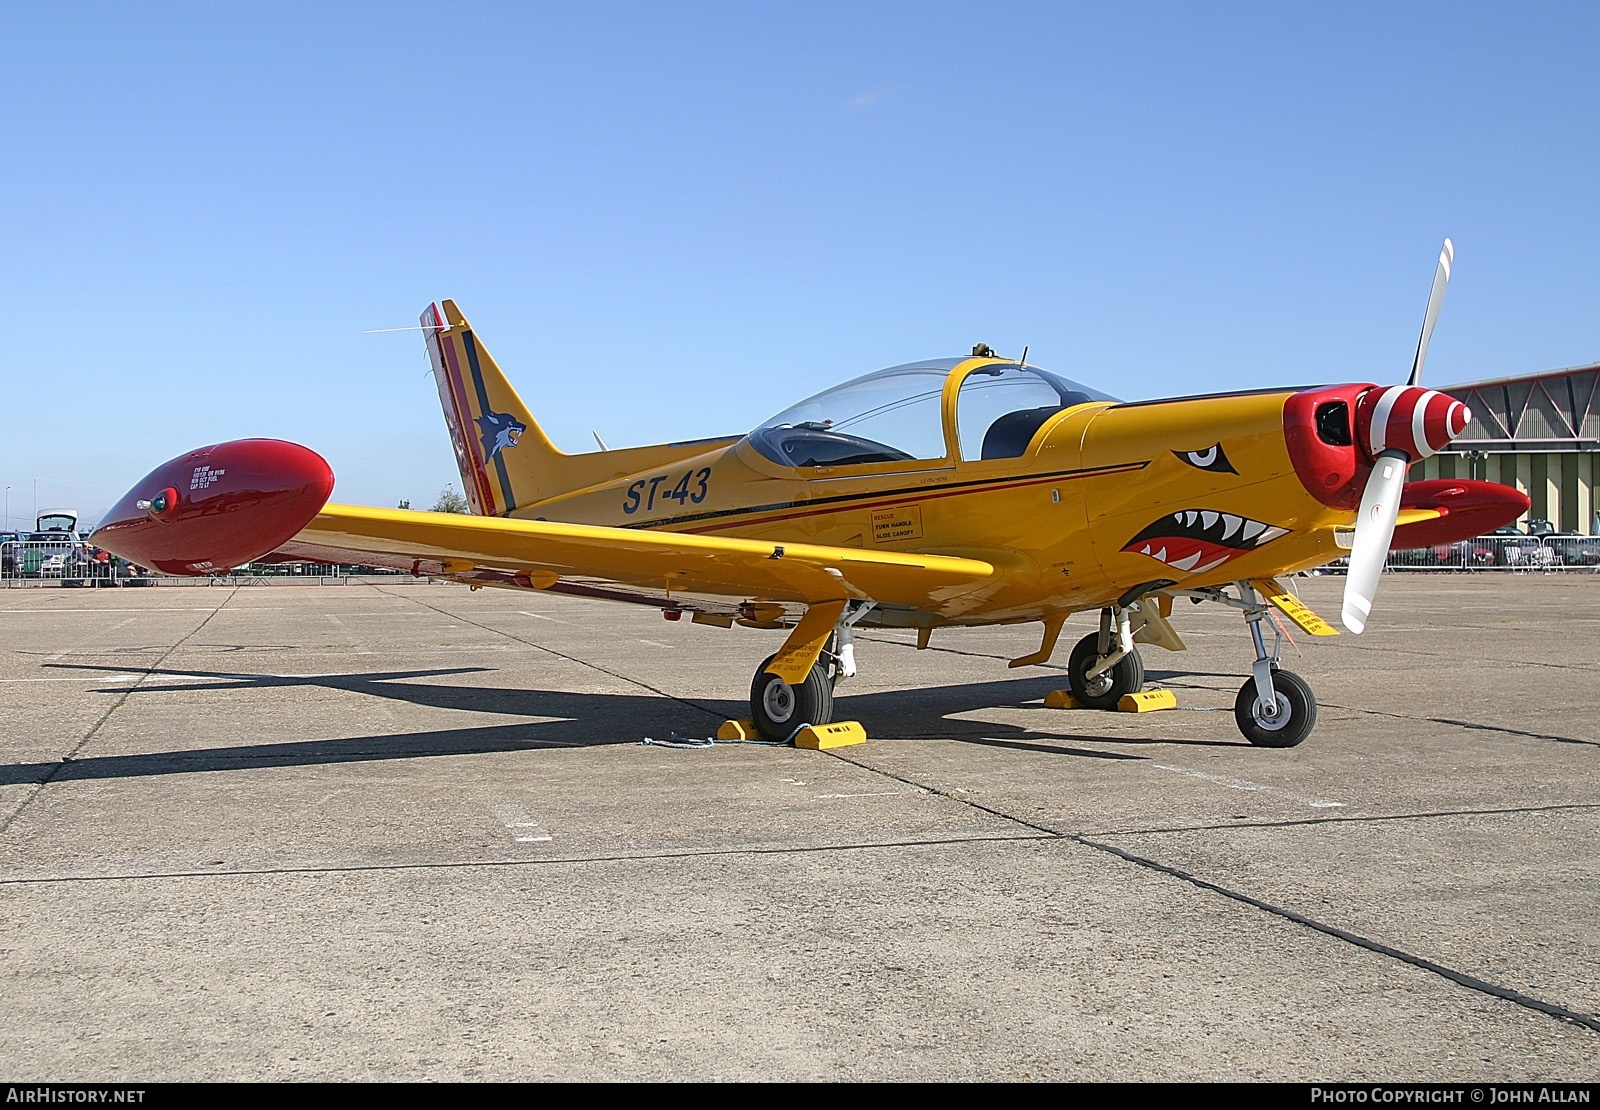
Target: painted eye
1211 459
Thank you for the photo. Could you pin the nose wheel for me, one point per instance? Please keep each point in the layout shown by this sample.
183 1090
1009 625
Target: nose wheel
1275 708
1281 723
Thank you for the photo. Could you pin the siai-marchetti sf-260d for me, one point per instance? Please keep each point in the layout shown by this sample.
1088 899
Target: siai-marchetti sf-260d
963 491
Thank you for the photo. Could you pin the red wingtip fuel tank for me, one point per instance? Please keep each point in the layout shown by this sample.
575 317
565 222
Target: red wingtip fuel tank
1471 508
218 507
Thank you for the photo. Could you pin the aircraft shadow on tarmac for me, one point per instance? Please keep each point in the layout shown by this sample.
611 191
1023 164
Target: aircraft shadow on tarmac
573 720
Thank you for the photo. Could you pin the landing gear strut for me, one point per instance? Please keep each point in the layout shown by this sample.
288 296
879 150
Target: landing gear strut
1276 708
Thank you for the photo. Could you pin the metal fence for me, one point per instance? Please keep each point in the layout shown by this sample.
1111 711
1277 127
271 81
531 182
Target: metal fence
1513 553
68 561
63 560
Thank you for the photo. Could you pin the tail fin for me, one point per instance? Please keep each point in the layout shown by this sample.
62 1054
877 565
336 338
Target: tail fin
506 460
504 456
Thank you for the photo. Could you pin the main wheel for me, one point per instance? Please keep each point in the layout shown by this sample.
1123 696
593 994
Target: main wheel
1295 716
1104 690
779 709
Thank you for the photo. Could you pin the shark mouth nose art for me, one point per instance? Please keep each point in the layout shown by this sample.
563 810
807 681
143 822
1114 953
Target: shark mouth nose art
1198 540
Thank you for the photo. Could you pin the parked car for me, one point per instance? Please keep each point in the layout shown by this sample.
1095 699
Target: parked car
8 552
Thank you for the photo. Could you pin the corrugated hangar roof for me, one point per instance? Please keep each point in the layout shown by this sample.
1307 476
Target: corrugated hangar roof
1558 410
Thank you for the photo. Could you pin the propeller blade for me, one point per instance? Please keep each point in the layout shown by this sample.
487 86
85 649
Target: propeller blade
1441 278
1380 508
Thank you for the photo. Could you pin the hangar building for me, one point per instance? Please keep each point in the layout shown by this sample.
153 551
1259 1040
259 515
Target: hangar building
1537 432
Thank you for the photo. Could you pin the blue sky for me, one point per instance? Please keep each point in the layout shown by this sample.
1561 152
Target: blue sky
669 221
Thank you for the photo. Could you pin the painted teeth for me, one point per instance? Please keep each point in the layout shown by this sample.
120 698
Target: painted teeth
1211 527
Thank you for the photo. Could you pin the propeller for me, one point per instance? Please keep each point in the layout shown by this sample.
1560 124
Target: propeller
1380 508
1441 278
1396 427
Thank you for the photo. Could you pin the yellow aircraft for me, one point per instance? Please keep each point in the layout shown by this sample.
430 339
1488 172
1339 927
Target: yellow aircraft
964 491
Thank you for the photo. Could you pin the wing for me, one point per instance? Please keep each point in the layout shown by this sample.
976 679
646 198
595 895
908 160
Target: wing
628 564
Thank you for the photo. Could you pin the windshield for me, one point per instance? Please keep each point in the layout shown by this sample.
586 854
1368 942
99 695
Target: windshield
890 416
894 415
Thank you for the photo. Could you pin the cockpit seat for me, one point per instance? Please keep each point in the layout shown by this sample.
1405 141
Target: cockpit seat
1009 436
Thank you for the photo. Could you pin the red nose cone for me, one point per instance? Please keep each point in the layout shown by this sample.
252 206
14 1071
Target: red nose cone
218 507
1419 422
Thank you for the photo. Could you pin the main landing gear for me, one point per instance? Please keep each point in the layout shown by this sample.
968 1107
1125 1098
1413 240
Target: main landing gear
780 709
1275 708
1105 665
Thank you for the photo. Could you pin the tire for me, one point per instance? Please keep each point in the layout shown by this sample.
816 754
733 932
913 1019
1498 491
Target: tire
1105 690
779 709
1297 712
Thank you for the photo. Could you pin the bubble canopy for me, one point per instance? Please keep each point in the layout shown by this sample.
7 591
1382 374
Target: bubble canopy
896 415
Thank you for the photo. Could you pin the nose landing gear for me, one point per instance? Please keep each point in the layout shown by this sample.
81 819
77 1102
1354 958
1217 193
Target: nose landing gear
1276 708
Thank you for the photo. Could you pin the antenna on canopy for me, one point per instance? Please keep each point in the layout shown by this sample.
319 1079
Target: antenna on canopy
1023 361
